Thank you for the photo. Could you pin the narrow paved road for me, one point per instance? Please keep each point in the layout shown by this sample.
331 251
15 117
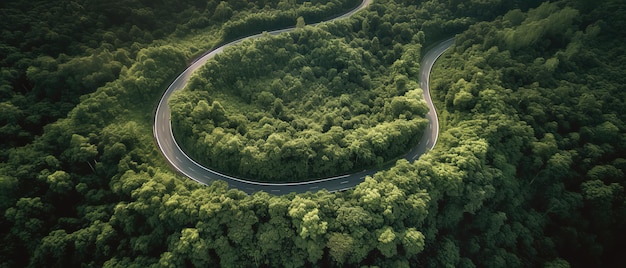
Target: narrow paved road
184 164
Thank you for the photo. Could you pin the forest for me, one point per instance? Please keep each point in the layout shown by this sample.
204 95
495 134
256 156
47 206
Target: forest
528 170
332 103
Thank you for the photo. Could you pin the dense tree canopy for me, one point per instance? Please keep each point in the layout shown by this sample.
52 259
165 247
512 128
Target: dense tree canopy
553 69
325 108
528 169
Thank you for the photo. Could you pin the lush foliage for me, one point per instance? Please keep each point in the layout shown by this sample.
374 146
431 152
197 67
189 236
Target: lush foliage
305 104
528 171
544 90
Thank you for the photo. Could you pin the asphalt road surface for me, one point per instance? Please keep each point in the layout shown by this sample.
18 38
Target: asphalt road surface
184 164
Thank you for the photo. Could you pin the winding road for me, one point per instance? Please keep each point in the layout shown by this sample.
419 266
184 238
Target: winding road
184 164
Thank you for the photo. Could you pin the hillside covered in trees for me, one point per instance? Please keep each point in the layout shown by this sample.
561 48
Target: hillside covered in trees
528 170
307 104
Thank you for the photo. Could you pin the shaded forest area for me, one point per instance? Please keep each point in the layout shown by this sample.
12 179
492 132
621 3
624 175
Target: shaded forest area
528 171
545 90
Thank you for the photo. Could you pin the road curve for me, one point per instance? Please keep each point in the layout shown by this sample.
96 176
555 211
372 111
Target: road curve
184 164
